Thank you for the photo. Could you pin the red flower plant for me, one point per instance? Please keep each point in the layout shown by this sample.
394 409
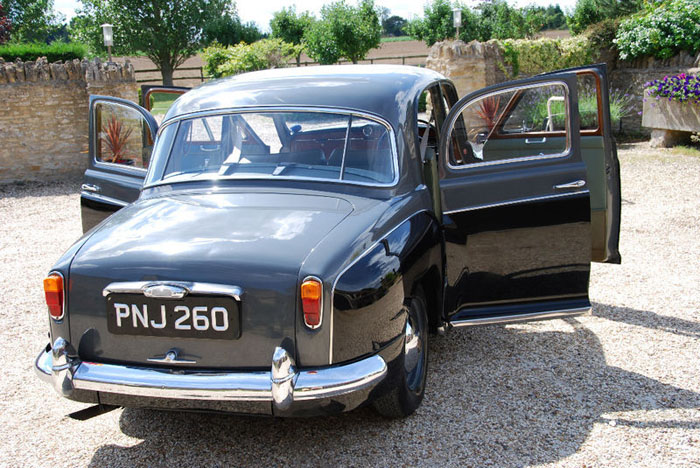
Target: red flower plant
488 110
115 139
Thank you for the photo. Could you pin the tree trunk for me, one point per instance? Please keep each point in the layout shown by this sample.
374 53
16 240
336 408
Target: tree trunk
299 59
166 70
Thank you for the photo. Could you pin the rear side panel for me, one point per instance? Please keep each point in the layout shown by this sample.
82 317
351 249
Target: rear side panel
368 299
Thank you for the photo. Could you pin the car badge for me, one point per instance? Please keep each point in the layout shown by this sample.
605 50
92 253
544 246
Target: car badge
165 291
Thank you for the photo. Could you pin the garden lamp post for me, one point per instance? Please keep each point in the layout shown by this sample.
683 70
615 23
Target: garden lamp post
457 16
107 34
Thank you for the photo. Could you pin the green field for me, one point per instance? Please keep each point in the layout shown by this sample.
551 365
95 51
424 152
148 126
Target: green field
397 39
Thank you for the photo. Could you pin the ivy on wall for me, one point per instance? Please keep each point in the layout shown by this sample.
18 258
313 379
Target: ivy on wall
531 57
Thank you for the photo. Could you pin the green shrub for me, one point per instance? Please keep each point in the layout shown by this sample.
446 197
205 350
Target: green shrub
267 53
602 34
56 51
531 57
661 31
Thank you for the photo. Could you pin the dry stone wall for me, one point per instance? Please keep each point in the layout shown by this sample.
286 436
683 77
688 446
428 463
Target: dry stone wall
44 118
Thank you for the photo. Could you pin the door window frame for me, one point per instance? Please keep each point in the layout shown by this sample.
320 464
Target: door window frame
450 124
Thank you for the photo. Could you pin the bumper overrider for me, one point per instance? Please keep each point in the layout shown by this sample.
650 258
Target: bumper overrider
284 390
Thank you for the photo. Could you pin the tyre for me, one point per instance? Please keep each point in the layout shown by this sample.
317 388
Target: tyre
412 366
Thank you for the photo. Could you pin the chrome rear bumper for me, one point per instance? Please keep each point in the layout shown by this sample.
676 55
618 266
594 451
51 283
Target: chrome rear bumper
282 385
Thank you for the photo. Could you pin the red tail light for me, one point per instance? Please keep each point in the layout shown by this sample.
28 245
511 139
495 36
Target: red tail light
311 300
53 290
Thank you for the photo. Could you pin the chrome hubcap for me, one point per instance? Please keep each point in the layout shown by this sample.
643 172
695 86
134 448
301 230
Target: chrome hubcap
413 346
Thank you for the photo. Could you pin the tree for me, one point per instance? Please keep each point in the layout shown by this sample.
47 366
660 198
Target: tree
5 25
32 20
228 30
588 12
344 31
393 26
289 26
436 24
167 31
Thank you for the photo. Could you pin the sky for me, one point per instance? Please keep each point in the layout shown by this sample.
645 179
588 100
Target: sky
261 11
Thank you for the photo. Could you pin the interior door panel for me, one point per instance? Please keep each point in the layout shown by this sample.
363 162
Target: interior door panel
599 151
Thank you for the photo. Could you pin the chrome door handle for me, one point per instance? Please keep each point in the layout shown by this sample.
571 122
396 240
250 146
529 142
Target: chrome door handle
532 141
90 188
577 184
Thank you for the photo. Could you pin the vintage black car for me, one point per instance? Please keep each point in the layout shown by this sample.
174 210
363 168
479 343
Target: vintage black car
285 240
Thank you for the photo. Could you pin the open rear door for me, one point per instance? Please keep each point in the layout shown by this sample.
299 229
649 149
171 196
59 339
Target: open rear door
516 204
121 140
599 152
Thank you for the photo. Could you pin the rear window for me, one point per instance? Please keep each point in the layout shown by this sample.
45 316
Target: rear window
304 145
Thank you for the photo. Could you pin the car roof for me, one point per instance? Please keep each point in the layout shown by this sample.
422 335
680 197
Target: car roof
388 91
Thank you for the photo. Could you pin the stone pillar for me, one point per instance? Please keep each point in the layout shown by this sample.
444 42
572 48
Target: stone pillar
470 66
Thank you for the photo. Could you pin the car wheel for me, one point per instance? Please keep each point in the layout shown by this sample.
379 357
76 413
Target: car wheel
412 366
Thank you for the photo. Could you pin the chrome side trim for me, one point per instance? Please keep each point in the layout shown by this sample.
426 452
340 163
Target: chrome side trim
515 202
102 198
140 287
281 385
551 314
263 109
350 265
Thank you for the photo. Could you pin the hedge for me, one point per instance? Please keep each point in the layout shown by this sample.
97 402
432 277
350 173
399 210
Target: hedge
54 52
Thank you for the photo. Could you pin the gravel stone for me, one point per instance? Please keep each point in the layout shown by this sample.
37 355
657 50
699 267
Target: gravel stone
617 388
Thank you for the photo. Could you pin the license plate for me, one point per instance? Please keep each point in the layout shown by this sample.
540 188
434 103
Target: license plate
213 317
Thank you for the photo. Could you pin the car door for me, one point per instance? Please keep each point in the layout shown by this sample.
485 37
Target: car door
516 203
112 182
599 152
121 136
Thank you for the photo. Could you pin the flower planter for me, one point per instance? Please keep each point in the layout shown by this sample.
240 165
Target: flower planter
670 121
671 115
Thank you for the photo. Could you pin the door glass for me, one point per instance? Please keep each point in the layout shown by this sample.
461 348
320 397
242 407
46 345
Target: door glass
588 100
122 136
158 101
510 124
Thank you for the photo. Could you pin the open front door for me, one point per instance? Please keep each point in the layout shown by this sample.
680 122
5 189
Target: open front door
121 140
516 203
599 152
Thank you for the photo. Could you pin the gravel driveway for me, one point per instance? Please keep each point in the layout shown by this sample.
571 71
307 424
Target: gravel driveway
619 387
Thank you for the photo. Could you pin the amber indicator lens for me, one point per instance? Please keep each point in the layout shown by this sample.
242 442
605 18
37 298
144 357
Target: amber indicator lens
53 290
311 290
